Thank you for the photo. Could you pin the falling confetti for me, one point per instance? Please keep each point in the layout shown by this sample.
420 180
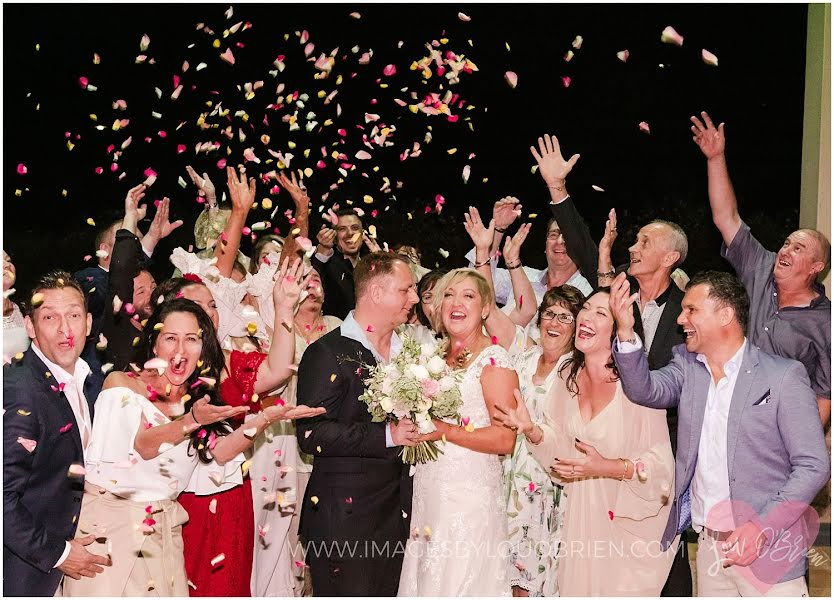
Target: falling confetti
511 78
709 58
670 36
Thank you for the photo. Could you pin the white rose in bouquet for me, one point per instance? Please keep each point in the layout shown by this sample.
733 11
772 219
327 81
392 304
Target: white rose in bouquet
387 403
387 387
419 371
436 365
446 383
427 349
424 424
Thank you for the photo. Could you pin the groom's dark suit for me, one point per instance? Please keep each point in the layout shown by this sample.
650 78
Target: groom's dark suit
357 507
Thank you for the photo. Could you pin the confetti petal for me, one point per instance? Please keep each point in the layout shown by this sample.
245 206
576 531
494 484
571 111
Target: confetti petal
511 78
708 58
596 188
670 36
30 445
228 57
21 169
623 55
218 559
644 127
464 17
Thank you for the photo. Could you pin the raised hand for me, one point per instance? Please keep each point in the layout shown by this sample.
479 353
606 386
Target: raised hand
552 167
620 301
371 243
204 185
161 227
481 236
512 245
709 139
133 212
297 191
607 241
326 237
241 191
205 413
505 212
289 283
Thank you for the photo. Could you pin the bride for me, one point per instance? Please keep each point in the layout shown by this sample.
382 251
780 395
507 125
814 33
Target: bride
457 544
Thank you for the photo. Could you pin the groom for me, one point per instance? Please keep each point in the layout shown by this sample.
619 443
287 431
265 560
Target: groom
356 510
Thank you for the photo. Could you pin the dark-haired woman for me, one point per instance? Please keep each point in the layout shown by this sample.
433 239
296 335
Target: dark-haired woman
157 433
615 461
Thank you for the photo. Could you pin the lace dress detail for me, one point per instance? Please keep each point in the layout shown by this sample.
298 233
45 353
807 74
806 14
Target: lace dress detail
15 338
457 545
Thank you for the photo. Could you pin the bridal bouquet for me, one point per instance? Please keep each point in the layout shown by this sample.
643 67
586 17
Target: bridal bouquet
417 384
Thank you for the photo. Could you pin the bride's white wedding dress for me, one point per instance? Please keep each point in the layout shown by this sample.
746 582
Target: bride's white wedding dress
458 540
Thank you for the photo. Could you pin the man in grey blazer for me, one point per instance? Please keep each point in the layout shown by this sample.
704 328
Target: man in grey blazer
751 453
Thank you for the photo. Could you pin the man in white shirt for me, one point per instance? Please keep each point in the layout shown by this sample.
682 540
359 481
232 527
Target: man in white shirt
751 454
48 401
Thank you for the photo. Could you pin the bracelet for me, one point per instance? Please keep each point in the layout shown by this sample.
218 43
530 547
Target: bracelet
515 266
625 468
268 422
483 264
499 230
607 274
558 188
191 412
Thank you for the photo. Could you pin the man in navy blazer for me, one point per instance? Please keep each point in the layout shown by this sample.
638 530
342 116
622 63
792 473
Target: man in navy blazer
48 399
751 453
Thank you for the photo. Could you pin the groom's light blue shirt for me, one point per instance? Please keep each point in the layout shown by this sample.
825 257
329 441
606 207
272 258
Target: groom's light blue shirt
352 330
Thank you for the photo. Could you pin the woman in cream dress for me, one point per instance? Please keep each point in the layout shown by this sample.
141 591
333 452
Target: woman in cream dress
615 461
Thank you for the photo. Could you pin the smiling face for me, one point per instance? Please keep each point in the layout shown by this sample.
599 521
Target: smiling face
594 325
463 308
349 235
702 319
798 259
180 344
315 291
555 249
200 294
652 251
143 287
9 272
555 335
60 325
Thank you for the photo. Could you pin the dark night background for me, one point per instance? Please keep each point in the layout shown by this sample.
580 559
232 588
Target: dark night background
757 89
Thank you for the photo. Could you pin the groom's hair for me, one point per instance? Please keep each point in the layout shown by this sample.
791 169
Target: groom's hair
371 266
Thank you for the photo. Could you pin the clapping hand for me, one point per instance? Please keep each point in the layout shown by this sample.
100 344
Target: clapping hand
552 167
512 245
133 212
709 139
481 236
161 227
620 302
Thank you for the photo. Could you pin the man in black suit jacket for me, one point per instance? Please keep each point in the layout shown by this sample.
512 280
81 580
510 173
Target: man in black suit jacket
336 266
48 399
355 516
660 247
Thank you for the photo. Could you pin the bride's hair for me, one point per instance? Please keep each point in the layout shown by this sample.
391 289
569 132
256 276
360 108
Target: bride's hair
574 364
451 278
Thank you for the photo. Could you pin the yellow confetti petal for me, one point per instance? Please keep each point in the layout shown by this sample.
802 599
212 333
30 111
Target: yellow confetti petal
333 378
314 499
266 203
90 222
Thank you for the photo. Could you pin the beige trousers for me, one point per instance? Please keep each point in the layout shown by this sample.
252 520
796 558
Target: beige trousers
715 580
143 564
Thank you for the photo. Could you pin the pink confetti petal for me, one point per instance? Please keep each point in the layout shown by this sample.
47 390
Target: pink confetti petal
389 70
644 127
709 58
464 17
623 55
304 243
30 445
228 57
610 515
566 81
83 82
511 78
21 169
66 428
670 36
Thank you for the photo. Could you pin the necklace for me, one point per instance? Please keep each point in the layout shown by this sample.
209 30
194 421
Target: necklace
308 332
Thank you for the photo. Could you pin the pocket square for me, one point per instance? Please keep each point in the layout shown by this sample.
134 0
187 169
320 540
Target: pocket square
763 400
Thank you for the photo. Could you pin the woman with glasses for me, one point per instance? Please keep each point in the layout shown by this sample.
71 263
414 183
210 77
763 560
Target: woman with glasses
533 499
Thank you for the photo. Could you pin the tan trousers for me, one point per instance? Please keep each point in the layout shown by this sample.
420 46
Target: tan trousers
715 580
143 564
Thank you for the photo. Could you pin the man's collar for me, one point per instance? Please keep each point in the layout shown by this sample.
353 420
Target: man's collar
351 329
82 369
664 295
